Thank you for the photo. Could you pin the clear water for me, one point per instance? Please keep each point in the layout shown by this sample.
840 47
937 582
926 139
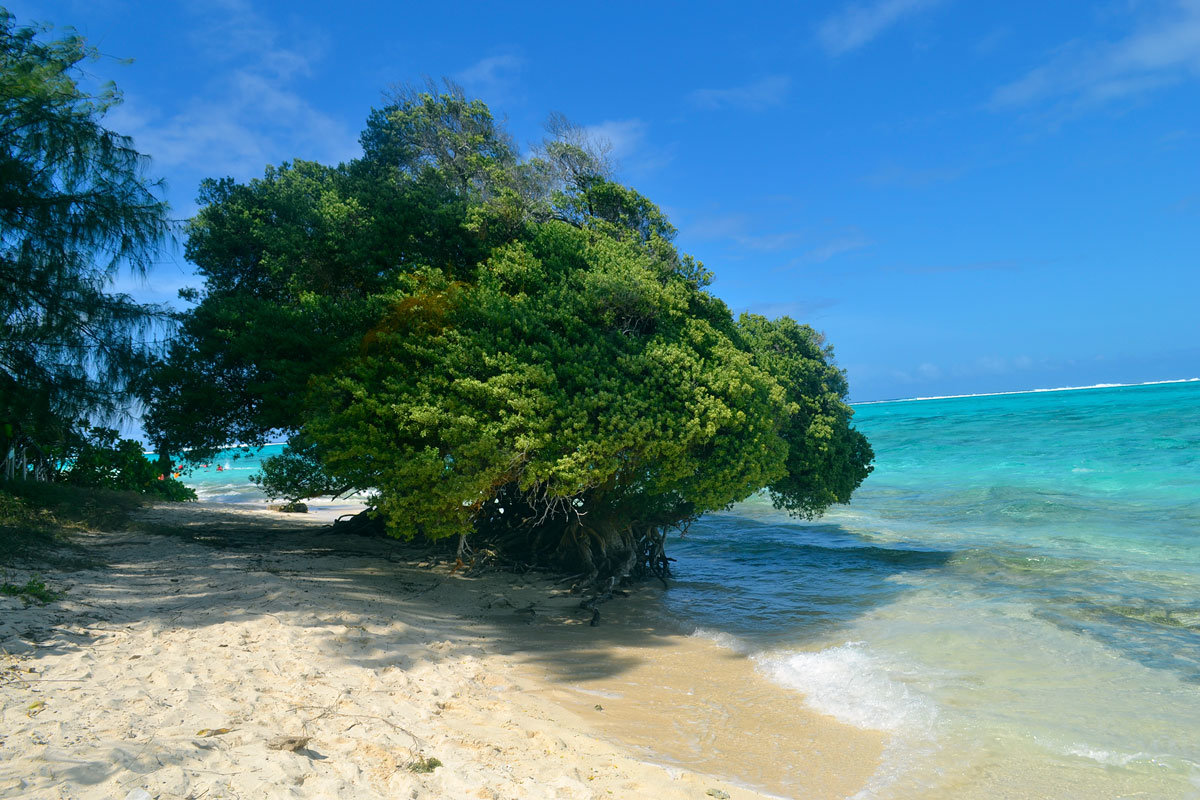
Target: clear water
1013 595
226 478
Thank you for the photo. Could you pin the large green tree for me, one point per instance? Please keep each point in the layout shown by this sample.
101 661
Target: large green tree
503 347
76 208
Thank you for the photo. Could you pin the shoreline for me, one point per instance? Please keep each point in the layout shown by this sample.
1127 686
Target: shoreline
173 668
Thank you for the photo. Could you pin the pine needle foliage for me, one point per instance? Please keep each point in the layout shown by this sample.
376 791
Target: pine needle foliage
76 209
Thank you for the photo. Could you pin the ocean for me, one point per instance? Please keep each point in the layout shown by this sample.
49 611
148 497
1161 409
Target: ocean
1012 597
226 478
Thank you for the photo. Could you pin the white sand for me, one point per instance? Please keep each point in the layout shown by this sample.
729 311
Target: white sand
171 668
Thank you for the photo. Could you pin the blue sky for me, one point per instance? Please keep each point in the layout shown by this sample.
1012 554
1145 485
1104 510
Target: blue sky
965 197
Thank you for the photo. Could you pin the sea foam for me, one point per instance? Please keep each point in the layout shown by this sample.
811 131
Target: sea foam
854 686
722 639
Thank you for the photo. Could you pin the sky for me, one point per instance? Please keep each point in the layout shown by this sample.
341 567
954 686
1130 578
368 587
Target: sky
964 197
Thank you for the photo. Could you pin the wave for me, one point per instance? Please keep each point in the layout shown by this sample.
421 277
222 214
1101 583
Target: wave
847 682
1025 391
853 686
724 640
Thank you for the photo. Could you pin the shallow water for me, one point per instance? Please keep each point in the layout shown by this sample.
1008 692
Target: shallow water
1013 595
226 478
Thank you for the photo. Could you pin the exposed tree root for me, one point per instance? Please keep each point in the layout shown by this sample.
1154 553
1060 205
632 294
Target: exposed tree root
597 555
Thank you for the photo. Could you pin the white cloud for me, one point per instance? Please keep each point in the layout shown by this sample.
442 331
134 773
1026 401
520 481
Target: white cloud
856 25
758 96
999 365
735 227
493 77
624 136
249 115
629 144
719 226
1162 51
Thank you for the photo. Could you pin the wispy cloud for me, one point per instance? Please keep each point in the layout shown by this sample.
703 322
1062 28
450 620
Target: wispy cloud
493 77
856 24
843 244
718 226
929 371
629 143
997 365
913 178
969 266
735 228
252 112
983 366
624 136
1163 50
757 96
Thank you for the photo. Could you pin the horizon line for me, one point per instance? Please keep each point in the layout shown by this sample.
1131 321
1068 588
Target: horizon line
1024 391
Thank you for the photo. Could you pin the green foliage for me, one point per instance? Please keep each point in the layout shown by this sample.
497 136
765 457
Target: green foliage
105 461
25 528
37 518
297 473
827 459
33 590
424 765
578 369
508 347
75 209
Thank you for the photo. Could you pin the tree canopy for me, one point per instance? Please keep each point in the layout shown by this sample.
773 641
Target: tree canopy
493 345
76 208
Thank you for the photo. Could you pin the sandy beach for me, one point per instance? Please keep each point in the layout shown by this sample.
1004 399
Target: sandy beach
218 652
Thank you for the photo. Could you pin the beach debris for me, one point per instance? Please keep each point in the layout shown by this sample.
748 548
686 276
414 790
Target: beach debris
138 794
36 708
424 765
289 743
599 707
717 793
212 731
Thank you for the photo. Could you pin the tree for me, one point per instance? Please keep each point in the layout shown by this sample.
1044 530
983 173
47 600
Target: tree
75 209
509 349
100 458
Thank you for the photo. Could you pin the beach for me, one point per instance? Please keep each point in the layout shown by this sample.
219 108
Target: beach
224 651
1007 609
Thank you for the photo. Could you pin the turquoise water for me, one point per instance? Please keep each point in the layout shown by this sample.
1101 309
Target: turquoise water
1013 596
226 478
